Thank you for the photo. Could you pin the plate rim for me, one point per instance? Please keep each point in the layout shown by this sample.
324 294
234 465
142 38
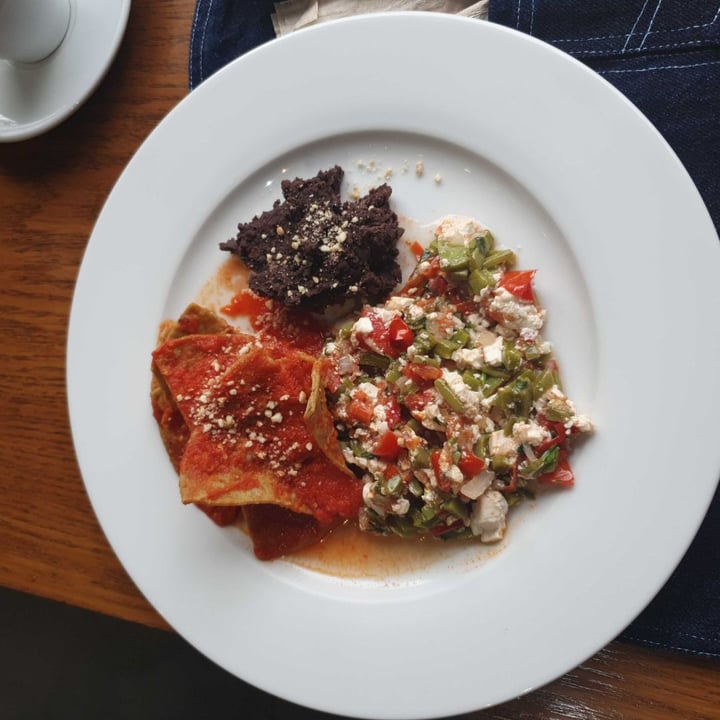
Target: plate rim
218 80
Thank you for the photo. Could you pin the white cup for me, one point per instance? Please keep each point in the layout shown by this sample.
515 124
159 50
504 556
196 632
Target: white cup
30 30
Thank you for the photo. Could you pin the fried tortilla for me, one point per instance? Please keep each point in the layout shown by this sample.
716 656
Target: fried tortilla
277 531
196 320
320 421
242 403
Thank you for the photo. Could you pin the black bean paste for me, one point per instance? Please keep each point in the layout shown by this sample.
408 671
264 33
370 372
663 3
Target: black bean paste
313 250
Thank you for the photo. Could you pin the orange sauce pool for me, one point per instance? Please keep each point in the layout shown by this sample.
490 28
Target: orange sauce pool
350 553
229 279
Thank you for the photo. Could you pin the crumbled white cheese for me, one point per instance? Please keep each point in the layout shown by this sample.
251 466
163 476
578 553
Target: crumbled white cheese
454 474
353 459
398 302
494 352
477 485
385 314
401 506
373 500
517 314
457 230
379 425
469 398
362 326
558 399
483 336
581 422
529 433
469 357
502 444
369 389
488 516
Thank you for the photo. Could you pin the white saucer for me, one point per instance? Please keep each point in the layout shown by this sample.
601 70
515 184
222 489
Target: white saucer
36 97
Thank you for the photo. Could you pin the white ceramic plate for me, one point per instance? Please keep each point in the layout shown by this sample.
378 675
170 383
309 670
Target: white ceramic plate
36 97
564 170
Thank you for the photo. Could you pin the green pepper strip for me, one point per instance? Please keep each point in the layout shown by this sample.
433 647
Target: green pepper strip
453 257
557 412
485 242
479 280
416 487
499 257
457 507
448 394
511 357
445 348
371 359
420 458
462 337
545 463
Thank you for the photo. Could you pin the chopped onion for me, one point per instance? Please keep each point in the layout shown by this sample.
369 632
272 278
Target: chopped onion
346 365
475 487
529 452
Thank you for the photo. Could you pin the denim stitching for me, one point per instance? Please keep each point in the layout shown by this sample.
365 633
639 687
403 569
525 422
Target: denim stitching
517 20
652 20
192 43
652 32
202 41
532 16
632 30
670 647
694 637
660 67
634 50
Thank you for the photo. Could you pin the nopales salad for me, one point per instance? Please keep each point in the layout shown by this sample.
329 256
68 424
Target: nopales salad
447 399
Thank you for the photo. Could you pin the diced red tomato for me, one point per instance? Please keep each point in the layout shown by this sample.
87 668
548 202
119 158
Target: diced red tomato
400 333
435 463
393 412
378 336
332 380
419 279
387 446
465 307
559 434
420 373
519 284
470 464
360 408
417 401
562 475
390 339
437 285
415 248
391 471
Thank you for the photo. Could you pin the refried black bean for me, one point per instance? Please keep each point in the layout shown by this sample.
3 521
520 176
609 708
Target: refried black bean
312 250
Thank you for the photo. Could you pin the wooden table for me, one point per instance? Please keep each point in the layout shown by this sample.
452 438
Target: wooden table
51 190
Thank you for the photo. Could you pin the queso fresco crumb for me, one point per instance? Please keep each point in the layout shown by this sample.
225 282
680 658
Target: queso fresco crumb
447 399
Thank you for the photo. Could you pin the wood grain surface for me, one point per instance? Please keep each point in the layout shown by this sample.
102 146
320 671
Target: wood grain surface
51 191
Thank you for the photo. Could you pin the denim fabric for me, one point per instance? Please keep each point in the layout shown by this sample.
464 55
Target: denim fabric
225 29
664 55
